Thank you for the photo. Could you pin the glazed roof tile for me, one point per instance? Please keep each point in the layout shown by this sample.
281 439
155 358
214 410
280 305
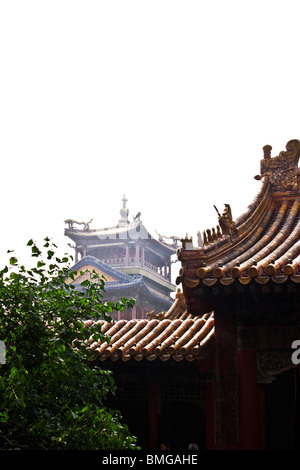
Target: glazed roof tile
264 244
172 334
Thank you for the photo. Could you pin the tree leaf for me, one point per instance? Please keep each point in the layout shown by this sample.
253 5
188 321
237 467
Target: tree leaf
40 264
50 254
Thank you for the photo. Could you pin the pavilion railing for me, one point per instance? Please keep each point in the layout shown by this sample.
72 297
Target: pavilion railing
133 261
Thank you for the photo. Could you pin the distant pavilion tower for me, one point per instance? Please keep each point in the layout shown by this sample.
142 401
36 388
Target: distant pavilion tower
134 263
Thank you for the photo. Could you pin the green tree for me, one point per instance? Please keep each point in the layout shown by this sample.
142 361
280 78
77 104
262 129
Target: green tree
52 395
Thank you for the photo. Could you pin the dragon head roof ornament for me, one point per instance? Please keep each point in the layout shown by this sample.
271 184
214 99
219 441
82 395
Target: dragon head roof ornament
281 171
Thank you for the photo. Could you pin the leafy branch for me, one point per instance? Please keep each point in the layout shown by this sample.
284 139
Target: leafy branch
52 395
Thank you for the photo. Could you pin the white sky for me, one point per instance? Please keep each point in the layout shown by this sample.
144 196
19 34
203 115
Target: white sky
169 102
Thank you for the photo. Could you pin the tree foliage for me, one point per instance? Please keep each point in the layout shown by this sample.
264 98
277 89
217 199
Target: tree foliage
51 397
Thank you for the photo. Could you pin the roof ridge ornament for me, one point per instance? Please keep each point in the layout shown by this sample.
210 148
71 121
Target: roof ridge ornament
226 227
71 223
124 212
282 170
156 316
162 238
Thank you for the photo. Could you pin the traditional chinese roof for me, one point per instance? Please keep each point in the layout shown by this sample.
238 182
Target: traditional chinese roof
260 246
173 334
124 231
116 281
117 235
89 263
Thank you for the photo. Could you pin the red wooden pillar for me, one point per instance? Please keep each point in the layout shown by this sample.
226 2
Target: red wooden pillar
133 312
84 250
249 436
226 381
153 410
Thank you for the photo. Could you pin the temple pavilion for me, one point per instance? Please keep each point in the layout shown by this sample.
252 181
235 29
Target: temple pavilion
217 368
134 263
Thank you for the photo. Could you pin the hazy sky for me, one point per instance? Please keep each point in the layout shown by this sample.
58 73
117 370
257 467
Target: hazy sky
169 102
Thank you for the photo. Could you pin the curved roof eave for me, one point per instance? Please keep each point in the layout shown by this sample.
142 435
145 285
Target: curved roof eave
132 232
173 334
265 243
105 268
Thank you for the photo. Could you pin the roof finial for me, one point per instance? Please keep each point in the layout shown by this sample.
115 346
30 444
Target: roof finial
124 212
124 201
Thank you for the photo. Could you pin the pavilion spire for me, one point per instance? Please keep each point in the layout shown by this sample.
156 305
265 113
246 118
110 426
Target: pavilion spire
124 212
